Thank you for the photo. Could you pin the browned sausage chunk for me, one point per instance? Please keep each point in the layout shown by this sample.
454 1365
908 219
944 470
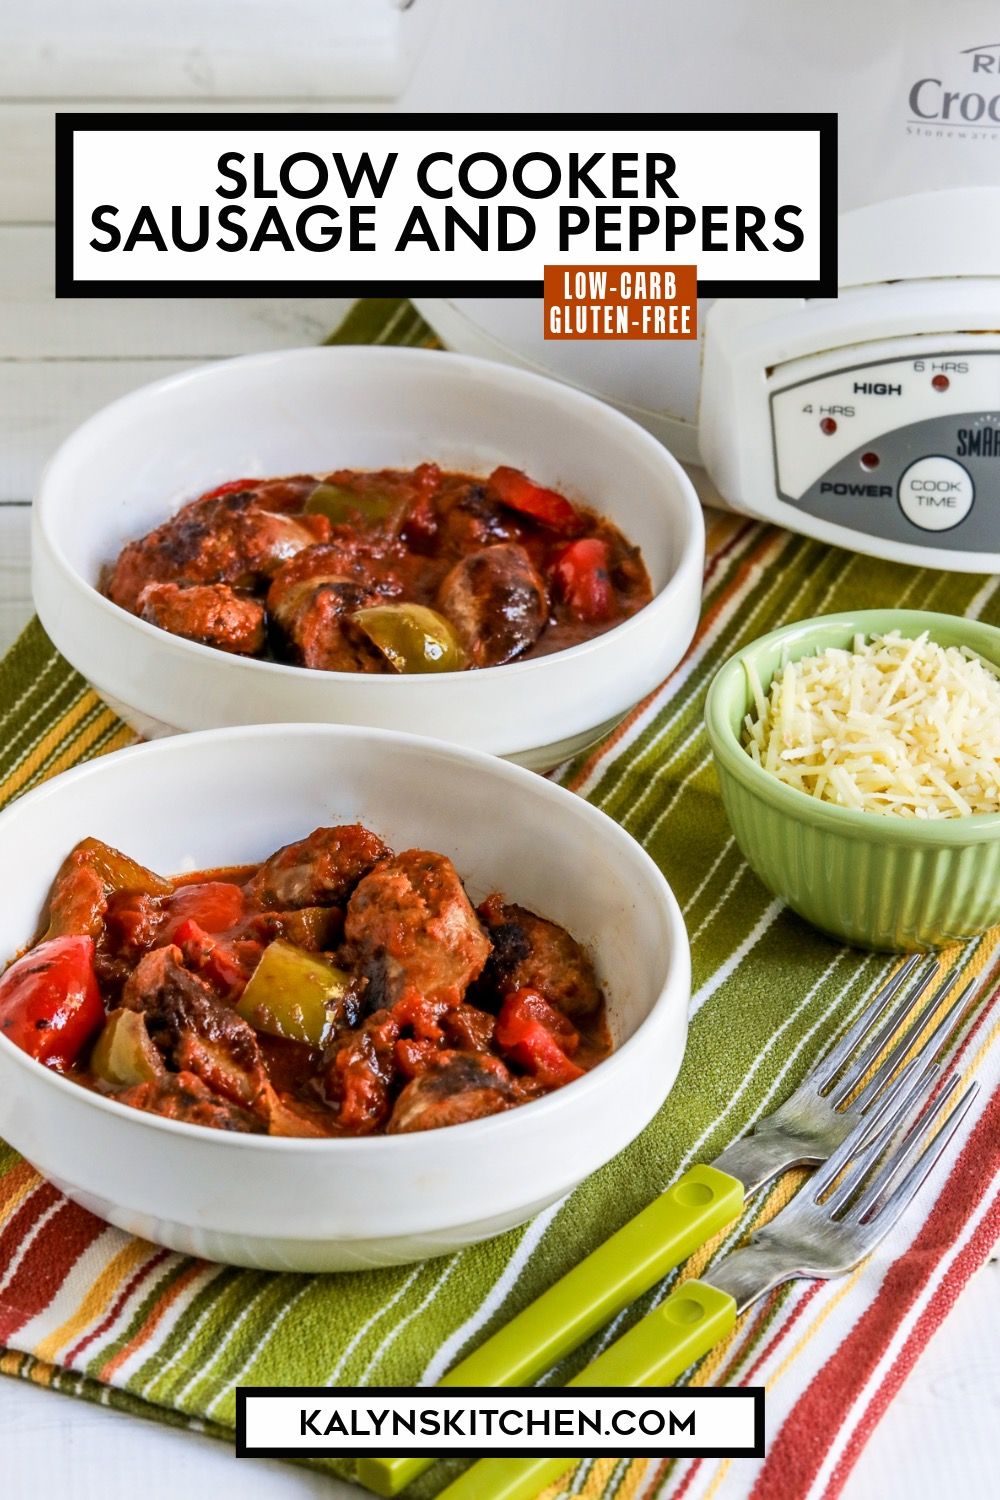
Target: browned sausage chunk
311 596
195 1031
530 953
414 930
458 1086
183 1096
344 558
229 539
316 618
471 517
321 870
212 613
359 1073
497 602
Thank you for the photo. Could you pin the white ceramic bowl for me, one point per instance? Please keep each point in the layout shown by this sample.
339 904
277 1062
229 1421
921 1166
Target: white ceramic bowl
233 796
132 465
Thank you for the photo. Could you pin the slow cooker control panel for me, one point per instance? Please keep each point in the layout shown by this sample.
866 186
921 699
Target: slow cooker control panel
906 449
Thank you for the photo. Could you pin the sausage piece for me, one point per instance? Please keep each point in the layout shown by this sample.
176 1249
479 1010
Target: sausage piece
414 930
456 1087
195 1031
472 517
211 613
531 953
221 1078
183 1096
497 602
359 1073
321 870
311 596
316 626
228 539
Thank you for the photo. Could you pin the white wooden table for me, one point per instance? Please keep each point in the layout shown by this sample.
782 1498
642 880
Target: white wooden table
61 361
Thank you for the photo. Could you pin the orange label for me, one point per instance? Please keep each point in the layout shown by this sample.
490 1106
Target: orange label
621 302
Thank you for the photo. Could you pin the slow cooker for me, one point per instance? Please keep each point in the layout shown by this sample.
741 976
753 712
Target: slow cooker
870 420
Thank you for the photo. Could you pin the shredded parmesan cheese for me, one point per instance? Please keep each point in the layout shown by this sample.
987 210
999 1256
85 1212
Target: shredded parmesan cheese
896 725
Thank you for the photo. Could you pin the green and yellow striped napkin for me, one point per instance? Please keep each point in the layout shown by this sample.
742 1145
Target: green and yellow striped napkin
91 1312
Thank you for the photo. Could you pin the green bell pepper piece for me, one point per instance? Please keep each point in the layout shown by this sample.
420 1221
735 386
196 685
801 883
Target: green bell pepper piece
411 637
291 994
341 505
123 1053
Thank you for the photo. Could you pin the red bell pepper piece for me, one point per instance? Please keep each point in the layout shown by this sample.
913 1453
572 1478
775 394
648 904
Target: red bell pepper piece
516 490
581 578
537 1037
216 906
231 487
50 1003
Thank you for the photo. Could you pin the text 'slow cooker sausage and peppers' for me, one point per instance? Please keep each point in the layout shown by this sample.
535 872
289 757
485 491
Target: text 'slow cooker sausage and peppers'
337 989
394 571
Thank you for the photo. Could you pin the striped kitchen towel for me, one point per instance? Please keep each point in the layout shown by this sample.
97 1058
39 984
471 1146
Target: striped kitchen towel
87 1310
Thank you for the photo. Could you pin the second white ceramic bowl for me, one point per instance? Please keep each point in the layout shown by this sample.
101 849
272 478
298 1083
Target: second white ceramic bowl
232 797
303 410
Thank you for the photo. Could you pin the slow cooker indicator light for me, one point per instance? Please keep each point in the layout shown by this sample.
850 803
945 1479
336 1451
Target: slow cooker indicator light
828 426
940 382
870 460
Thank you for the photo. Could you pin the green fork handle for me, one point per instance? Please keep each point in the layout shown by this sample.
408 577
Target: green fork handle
656 1351
639 1255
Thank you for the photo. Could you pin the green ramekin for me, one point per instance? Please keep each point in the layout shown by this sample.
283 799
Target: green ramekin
872 880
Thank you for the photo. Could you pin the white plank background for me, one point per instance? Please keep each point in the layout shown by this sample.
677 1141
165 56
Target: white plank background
61 361
187 49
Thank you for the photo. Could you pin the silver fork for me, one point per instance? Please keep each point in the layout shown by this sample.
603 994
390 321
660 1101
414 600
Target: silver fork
825 1231
852 1202
804 1131
820 1114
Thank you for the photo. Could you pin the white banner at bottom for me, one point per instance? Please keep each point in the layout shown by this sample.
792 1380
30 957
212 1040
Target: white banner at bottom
281 1422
